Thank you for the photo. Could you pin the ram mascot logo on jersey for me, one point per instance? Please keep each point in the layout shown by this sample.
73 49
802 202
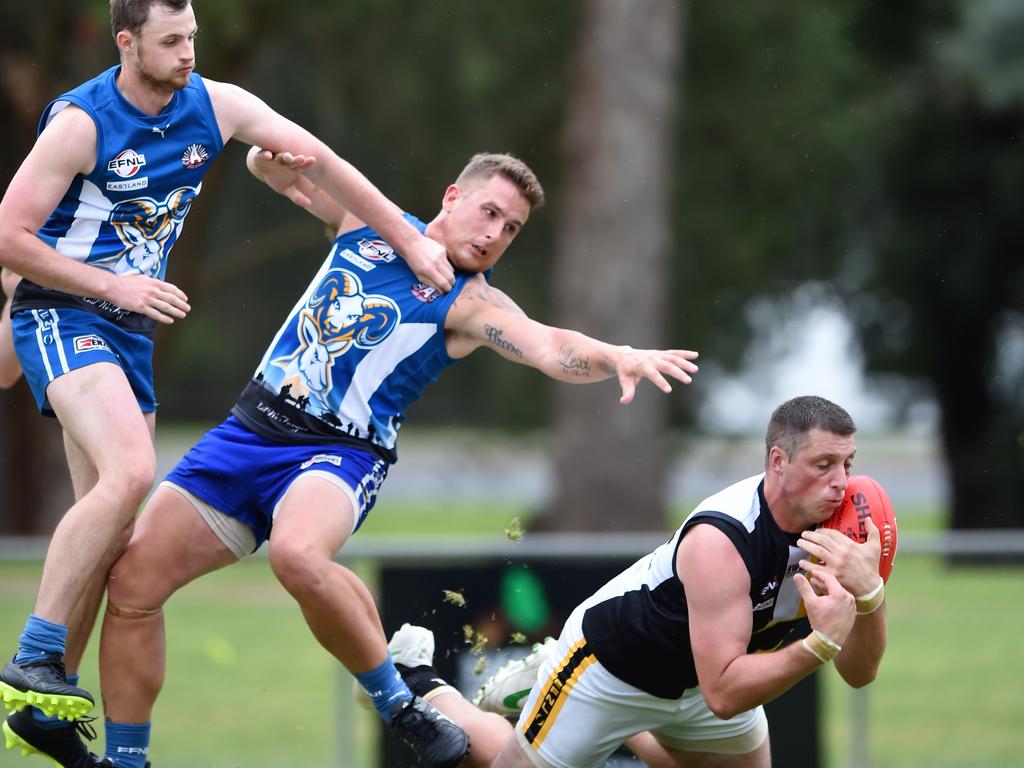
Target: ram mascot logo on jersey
145 226
337 316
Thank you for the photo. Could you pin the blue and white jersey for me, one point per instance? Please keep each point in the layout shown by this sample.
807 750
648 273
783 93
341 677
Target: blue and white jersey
357 349
126 215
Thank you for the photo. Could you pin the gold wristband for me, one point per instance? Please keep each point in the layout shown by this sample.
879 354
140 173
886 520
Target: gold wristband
872 601
821 646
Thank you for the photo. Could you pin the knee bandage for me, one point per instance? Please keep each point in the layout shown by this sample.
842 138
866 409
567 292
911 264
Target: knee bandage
131 613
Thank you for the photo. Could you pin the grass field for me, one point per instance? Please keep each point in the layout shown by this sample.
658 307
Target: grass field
248 686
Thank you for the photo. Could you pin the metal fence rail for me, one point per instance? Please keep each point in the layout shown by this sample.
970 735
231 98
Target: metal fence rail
578 546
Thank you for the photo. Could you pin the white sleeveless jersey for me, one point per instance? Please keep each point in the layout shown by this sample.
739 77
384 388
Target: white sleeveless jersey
637 623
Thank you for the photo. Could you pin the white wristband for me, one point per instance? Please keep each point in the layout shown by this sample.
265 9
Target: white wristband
872 601
821 646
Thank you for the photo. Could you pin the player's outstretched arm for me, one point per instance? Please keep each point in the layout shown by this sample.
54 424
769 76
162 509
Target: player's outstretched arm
243 116
65 148
10 367
483 316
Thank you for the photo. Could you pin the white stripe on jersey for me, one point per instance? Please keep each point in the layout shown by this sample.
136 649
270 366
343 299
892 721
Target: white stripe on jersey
788 605
733 500
377 366
92 211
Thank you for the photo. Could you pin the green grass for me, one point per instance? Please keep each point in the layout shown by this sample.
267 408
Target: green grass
248 686
441 518
239 658
949 690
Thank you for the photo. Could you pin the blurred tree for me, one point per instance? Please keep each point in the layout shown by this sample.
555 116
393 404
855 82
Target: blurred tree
613 249
945 300
865 146
40 54
407 93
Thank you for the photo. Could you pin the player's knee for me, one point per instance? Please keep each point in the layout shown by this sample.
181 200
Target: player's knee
138 479
129 483
296 565
131 583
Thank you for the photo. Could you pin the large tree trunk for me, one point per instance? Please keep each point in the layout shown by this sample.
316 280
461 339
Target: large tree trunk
613 249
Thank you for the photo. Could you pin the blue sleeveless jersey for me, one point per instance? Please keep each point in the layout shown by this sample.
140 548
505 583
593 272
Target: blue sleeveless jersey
126 215
357 349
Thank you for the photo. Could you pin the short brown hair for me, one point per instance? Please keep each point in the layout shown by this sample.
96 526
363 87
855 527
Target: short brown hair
132 14
791 421
486 164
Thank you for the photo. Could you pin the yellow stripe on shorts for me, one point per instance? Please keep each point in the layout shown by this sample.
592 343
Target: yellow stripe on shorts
556 691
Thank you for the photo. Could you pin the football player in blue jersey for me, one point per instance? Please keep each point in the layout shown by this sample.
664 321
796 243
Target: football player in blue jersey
10 368
302 457
89 220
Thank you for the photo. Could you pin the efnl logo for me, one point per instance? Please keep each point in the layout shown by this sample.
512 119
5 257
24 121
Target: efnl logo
127 163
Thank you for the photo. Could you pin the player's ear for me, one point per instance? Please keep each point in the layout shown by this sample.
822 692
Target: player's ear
776 459
451 196
125 40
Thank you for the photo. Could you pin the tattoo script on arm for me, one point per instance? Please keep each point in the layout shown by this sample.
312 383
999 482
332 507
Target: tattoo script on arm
496 337
572 365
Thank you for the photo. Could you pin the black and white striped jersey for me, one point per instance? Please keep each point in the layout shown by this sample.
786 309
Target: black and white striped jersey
637 624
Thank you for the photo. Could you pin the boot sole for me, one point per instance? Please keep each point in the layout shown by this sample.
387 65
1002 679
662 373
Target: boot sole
52 705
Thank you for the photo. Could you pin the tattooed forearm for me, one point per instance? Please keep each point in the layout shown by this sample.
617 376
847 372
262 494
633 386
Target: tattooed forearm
572 365
605 368
496 337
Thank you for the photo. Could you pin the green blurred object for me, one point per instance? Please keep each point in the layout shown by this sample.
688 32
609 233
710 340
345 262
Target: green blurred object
523 599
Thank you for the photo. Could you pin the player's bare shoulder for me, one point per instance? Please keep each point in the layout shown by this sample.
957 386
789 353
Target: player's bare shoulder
233 106
72 131
478 294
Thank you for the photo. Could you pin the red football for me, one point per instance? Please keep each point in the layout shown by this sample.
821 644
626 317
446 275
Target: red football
866 498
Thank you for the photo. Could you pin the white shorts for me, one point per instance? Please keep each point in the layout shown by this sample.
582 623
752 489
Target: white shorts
579 713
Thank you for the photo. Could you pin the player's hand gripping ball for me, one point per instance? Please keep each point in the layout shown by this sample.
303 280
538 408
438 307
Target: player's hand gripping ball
866 498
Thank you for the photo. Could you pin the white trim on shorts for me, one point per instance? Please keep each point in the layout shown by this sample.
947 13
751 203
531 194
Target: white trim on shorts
334 480
236 535
233 534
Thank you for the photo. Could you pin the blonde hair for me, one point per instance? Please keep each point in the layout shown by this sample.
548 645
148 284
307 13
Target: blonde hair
485 165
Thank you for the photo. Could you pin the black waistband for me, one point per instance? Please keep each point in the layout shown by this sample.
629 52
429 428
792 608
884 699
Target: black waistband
29 296
273 416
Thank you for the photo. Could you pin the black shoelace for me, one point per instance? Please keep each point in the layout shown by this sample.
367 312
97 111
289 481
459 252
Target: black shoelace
85 729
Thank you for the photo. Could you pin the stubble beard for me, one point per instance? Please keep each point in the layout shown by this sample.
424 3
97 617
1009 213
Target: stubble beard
167 86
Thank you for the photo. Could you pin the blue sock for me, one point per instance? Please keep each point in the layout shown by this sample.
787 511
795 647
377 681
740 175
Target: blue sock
385 687
50 723
40 638
127 743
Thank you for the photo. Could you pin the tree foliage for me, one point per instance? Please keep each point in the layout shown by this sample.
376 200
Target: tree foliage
869 147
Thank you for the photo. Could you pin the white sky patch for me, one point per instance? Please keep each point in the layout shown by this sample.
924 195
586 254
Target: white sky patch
804 348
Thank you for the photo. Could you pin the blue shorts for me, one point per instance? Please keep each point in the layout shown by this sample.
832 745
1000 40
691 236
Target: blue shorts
245 475
52 342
